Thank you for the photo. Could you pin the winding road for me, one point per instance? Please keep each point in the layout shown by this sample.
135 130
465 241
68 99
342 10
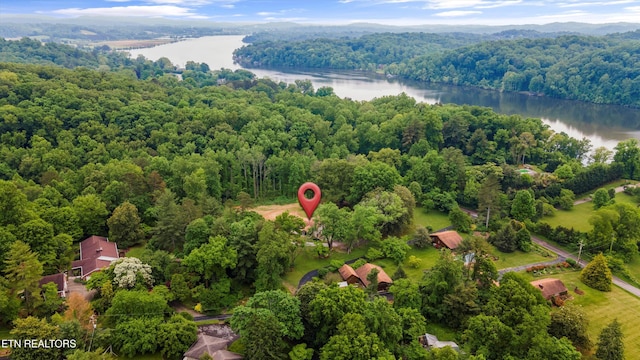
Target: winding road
567 255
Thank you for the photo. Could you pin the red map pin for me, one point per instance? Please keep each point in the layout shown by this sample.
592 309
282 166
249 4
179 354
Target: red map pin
309 205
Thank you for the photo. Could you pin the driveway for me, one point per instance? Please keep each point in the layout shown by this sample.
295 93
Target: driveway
76 287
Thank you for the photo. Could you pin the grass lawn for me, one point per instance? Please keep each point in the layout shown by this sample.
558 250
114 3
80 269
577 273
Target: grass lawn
577 218
611 185
4 333
517 258
602 307
135 251
428 257
436 219
308 260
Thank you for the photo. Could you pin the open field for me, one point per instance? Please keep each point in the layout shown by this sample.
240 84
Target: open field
517 258
436 219
602 307
578 217
611 185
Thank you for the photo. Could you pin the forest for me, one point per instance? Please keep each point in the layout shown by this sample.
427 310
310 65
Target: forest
173 167
598 69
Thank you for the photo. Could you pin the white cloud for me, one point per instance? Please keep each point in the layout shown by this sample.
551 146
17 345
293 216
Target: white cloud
453 4
138 11
457 13
594 3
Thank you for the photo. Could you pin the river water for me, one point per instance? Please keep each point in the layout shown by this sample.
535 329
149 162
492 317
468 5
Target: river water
604 125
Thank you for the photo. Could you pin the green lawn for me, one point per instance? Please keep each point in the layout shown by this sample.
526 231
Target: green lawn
436 219
517 258
577 218
135 251
611 185
308 260
428 255
4 333
602 307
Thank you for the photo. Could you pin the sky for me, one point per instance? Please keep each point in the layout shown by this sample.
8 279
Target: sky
390 12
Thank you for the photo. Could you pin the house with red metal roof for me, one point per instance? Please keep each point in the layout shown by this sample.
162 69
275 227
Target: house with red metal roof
96 253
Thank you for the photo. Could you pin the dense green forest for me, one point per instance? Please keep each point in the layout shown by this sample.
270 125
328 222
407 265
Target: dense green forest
595 69
175 165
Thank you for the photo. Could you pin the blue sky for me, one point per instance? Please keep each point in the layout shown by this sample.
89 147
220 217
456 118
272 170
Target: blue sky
392 12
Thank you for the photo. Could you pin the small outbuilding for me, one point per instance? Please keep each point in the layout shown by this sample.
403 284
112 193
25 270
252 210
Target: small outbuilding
359 276
448 239
430 341
551 288
349 275
60 280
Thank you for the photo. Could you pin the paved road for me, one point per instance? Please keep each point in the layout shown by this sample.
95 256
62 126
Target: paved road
557 260
616 280
587 199
562 253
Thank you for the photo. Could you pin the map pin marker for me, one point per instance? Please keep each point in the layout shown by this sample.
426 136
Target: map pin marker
309 205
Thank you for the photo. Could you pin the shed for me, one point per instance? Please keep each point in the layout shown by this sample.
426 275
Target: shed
449 239
349 275
550 288
60 280
430 341
384 281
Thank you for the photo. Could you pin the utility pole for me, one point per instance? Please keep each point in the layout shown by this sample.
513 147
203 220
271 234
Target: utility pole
94 323
580 251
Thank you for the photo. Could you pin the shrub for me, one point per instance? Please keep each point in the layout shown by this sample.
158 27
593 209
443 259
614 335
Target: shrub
597 274
414 262
358 263
334 265
572 262
322 272
374 254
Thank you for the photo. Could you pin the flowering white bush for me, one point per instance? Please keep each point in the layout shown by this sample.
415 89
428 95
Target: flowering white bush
126 271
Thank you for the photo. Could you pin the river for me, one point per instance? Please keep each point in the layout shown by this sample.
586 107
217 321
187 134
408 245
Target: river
603 125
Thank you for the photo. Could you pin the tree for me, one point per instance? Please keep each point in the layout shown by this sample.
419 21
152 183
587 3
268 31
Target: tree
335 223
570 321
370 176
283 306
78 309
460 220
180 288
175 336
124 226
273 257
131 273
597 274
406 294
329 307
211 260
91 212
364 221
523 206
353 342
37 329
129 305
137 335
23 271
601 198
300 352
51 302
628 155
257 331
610 344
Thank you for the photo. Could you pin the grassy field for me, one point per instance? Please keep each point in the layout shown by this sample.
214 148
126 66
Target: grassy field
436 219
135 251
602 307
517 258
578 217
